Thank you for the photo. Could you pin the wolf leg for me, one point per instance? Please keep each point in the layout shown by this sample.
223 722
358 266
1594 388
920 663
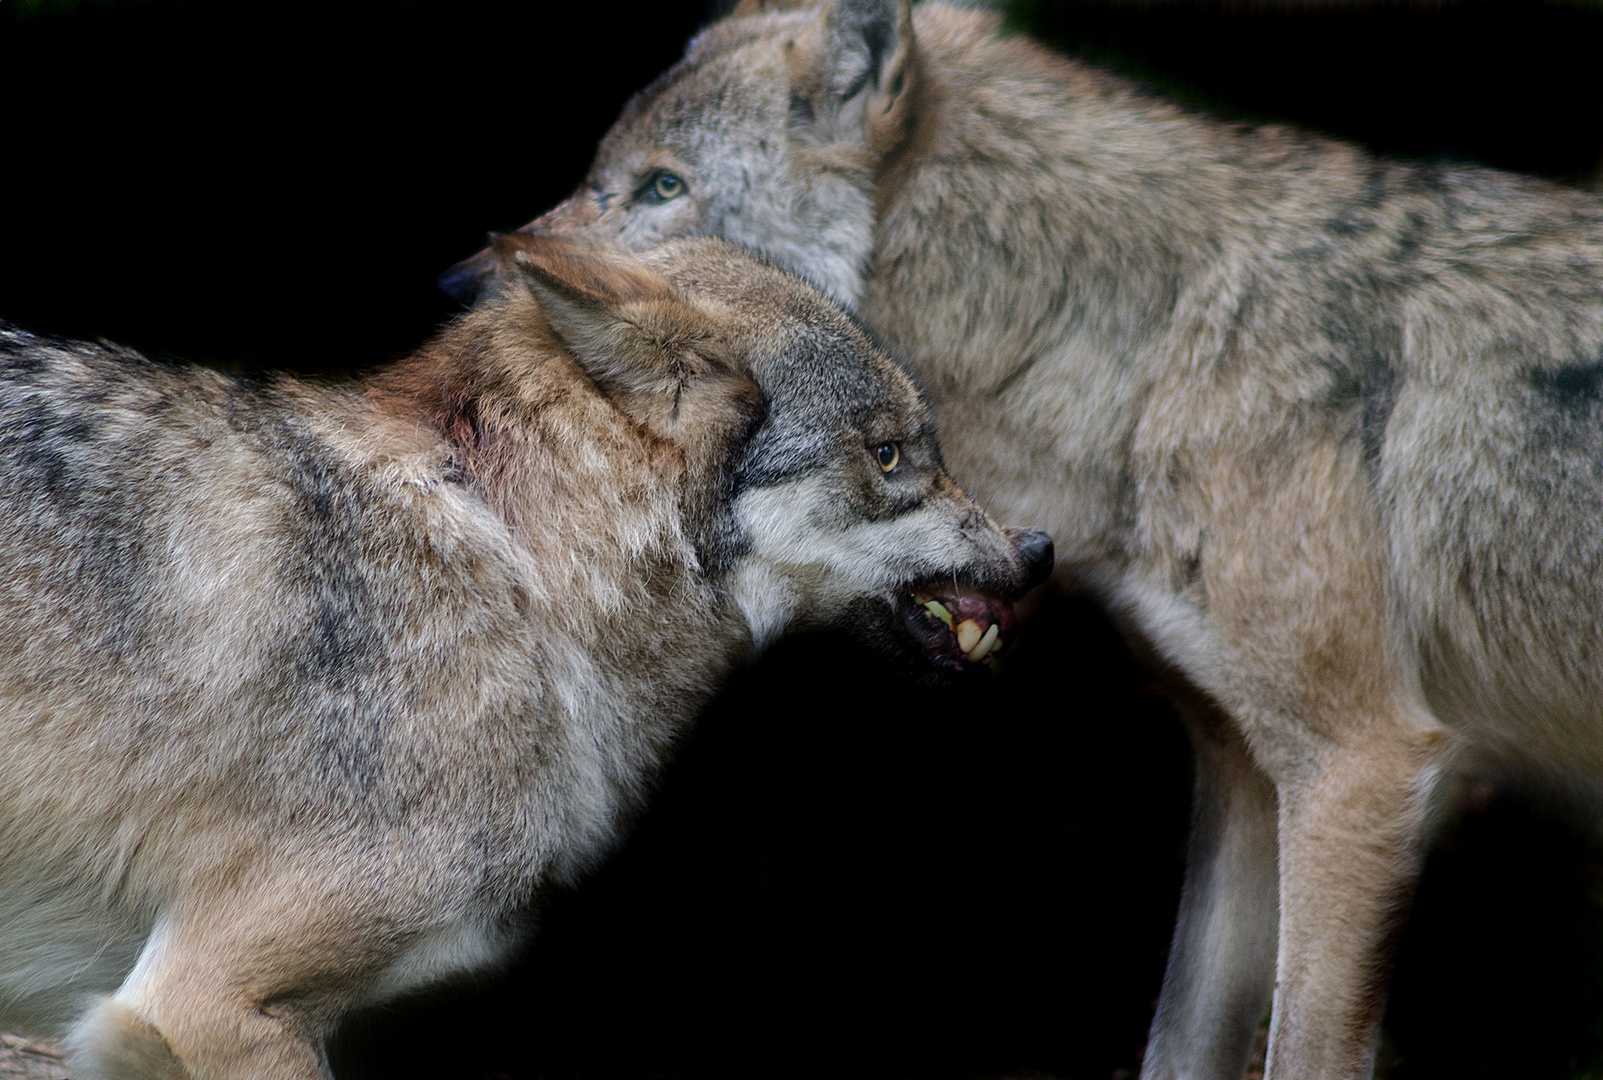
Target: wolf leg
201 1034
247 997
1220 973
1352 834
113 1042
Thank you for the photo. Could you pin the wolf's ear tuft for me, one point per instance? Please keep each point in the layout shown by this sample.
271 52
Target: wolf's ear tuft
856 71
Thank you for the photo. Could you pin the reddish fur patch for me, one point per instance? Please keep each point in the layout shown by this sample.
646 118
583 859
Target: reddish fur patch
581 269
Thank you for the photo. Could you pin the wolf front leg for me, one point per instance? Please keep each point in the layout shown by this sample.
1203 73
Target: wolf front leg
118 1041
1221 968
245 988
1352 832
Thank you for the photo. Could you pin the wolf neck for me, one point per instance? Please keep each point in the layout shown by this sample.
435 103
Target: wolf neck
1089 239
626 637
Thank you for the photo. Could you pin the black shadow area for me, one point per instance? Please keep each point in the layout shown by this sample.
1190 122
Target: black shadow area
278 184
850 875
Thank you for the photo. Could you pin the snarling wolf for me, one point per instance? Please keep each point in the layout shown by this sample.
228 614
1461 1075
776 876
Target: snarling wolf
1324 431
308 689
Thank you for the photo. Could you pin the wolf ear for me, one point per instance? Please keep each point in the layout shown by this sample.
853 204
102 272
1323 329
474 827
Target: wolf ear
624 324
854 72
603 303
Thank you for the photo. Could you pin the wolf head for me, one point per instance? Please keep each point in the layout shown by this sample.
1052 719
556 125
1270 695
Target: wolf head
823 501
773 132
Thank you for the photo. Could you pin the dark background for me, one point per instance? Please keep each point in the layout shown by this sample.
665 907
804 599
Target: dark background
842 875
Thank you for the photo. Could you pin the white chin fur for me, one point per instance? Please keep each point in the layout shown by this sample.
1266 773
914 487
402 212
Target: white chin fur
768 602
803 558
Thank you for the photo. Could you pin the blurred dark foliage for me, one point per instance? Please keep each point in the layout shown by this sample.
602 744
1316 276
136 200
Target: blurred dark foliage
843 874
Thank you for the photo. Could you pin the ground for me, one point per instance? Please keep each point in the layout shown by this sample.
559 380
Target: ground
23 1059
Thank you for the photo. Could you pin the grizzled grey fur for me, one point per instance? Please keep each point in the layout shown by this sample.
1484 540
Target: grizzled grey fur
1325 431
307 690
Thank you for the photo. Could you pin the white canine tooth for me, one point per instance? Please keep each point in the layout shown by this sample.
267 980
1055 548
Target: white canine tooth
968 635
987 643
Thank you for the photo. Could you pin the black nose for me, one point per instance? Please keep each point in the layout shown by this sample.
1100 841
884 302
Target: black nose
460 282
467 279
1035 548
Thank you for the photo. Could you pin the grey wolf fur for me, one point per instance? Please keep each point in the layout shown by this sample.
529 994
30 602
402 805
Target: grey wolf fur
306 690
1324 431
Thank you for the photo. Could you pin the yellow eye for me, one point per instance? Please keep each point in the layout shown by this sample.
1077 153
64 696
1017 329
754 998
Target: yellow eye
888 455
667 186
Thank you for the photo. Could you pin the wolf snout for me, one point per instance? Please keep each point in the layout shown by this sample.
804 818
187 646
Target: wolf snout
962 626
468 279
465 280
1035 551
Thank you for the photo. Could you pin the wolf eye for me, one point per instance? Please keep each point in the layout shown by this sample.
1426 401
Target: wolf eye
661 186
668 185
888 455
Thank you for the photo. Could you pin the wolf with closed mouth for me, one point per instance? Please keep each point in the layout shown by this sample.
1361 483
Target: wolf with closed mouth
1324 431
307 689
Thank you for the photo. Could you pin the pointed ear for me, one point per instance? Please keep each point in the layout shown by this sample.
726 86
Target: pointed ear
584 286
603 303
854 73
638 340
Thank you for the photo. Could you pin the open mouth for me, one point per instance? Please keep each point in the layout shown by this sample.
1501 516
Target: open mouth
959 627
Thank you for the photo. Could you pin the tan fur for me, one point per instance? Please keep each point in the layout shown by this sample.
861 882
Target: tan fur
308 690
115 1042
1319 429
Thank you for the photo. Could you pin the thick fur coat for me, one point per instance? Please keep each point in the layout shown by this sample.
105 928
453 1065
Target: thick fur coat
1324 431
308 690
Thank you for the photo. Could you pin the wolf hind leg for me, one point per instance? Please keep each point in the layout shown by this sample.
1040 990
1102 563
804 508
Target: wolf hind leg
1221 969
112 1042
